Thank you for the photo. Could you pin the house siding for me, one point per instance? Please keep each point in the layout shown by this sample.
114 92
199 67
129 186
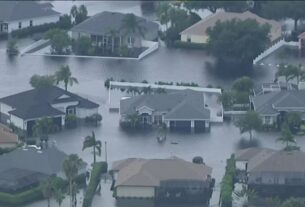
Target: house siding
83 113
194 38
17 122
135 192
14 25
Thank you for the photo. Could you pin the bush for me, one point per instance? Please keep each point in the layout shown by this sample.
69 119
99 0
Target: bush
245 143
83 46
70 121
29 196
198 160
64 23
97 170
94 118
189 45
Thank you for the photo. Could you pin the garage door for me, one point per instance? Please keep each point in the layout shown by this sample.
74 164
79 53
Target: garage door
180 125
199 126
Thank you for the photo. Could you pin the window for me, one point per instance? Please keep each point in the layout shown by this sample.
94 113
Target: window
276 180
31 23
131 40
70 111
267 119
19 25
188 39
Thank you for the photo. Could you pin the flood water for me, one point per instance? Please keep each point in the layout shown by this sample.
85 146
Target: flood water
176 65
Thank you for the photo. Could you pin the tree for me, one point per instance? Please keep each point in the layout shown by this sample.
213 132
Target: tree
59 196
96 145
294 202
64 75
297 72
59 40
133 119
243 84
294 120
285 9
249 122
236 43
227 99
286 136
11 47
287 71
83 45
233 6
47 189
79 14
163 13
131 25
43 127
71 166
42 81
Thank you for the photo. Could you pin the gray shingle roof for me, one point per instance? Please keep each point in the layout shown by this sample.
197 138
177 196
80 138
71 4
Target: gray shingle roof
17 10
102 23
150 172
270 103
186 104
36 103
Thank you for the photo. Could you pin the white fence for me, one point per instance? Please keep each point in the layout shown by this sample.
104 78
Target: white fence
273 48
152 46
36 44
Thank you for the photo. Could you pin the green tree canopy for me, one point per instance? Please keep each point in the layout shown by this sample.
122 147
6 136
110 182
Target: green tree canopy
43 127
243 84
236 43
294 119
59 39
96 145
284 9
286 136
131 25
41 81
249 122
83 45
64 75
79 14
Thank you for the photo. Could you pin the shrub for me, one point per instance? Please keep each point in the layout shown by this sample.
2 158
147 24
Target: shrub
82 46
198 160
94 118
107 82
189 45
245 143
22 198
227 184
70 121
97 170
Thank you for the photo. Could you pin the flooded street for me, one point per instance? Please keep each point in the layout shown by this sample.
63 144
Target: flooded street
164 65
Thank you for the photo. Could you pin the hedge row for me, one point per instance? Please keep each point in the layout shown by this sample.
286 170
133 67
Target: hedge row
22 198
189 45
227 185
63 23
97 170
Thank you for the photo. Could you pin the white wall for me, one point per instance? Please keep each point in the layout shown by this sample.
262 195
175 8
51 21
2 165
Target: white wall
14 25
18 122
5 108
83 113
195 38
135 192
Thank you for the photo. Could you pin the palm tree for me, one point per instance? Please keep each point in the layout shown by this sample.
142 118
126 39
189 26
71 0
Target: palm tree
132 26
47 189
70 167
133 119
59 196
163 13
286 71
90 141
64 74
286 136
44 127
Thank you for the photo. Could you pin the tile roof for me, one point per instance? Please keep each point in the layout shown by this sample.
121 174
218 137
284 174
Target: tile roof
102 23
201 27
150 172
37 103
17 10
271 103
186 104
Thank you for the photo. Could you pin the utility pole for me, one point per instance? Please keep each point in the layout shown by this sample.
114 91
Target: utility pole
105 151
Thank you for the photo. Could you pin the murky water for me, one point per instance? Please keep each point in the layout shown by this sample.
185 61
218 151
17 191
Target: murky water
163 65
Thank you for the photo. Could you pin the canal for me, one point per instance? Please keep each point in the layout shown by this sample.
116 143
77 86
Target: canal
166 64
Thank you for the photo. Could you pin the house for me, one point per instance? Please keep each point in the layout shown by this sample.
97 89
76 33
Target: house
24 108
197 33
106 29
171 179
26 167
273 106
8 139
184 110
16 15
274 173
